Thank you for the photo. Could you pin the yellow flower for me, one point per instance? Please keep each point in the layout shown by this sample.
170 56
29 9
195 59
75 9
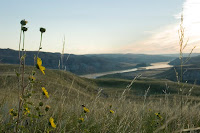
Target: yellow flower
111 111
12 112
39 65
26 111
158 115
86 110
81 119
32 78
51 120
45 92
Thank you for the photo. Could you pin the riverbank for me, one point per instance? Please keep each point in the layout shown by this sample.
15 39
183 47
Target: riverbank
145 73
158 65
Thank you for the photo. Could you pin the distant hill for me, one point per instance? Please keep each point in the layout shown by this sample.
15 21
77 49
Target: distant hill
84 64
134 58
193 61
191 70
64 81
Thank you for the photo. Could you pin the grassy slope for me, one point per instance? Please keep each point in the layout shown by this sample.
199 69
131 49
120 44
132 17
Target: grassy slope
68 92
157 86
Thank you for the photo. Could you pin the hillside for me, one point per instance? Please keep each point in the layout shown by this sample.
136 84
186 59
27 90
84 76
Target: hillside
57 80
68 92
191 70
193 61
84 64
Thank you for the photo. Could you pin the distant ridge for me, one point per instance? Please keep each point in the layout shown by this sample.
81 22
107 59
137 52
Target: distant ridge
84 64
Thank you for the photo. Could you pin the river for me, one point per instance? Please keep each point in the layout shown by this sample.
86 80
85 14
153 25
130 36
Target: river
152 66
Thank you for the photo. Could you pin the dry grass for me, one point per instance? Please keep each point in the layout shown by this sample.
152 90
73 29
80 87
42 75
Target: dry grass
68 93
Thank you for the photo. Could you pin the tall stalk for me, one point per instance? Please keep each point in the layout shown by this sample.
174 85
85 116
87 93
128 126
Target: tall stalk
22 62
181 40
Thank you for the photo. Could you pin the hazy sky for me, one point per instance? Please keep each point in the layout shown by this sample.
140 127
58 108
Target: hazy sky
100 26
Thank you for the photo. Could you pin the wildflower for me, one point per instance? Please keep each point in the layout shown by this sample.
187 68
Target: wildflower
81 119
23 22
86 110
112 112
42 30
158 115
51 120
26 111
24 29
31 78
47 108
39 65
12 112
45 92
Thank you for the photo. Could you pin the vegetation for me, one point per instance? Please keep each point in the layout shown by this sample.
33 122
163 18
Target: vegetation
36 99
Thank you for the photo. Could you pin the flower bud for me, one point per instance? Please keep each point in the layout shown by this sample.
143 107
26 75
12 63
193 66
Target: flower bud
42 30
24 29
23 22
47 108
41 104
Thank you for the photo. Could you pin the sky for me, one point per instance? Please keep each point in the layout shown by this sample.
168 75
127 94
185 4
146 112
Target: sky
101 26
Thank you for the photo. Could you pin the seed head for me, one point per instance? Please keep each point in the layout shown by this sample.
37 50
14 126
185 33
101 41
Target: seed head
41 104
47 108
42 30
24 29
23 22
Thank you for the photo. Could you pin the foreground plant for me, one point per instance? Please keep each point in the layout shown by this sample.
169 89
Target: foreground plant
27 112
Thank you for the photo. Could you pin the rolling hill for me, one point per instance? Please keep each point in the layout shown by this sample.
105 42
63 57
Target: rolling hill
84 64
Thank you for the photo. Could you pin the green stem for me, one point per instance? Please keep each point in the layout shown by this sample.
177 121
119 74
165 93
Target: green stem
22 61
40 45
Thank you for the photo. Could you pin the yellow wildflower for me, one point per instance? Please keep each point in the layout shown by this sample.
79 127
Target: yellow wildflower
51 120
39 65
32 78
12 112
86 110
45 92
111 111
158 115
81 119
26 111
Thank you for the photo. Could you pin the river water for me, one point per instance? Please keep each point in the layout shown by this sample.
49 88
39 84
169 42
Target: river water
152 66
